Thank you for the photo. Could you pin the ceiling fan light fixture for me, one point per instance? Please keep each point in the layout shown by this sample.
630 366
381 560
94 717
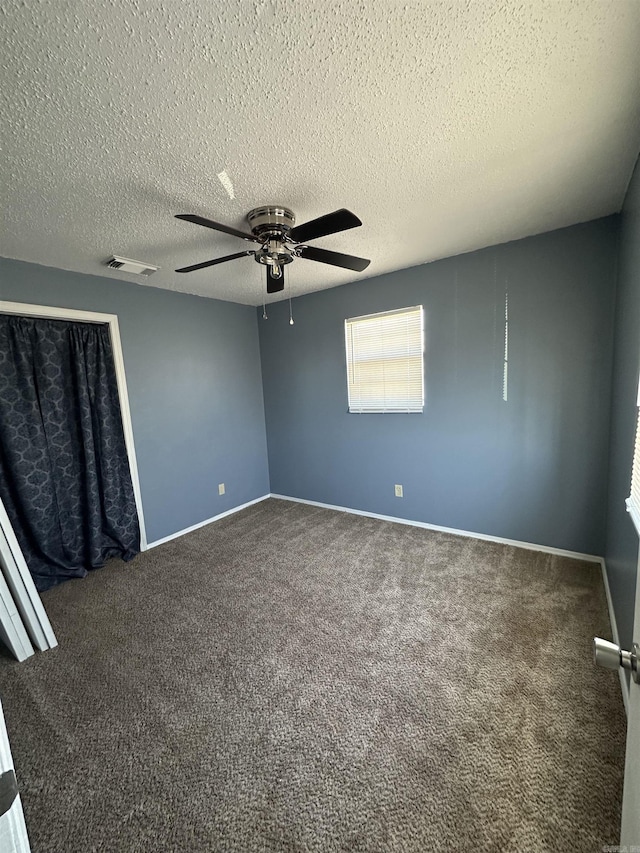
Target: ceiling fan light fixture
281 242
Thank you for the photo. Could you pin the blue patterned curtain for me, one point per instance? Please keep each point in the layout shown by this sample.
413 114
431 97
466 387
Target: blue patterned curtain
64 471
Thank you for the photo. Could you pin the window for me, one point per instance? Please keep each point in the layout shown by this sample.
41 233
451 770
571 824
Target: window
385 361
633 501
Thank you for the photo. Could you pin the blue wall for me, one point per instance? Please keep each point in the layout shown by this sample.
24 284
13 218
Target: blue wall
622 539
195 389
533 468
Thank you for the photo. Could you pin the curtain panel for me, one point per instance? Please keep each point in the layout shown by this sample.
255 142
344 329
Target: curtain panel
64 470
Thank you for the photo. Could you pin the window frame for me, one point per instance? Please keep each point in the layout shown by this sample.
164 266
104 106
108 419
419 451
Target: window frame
352 408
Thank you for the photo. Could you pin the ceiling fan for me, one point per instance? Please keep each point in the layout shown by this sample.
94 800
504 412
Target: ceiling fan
280 242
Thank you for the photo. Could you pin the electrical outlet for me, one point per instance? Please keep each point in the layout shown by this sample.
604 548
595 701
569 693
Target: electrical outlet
398 491
221 488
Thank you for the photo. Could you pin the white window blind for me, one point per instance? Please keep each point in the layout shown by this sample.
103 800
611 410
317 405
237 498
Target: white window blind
385 361
633 501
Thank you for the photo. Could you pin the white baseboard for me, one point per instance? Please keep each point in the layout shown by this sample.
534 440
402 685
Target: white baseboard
205 522
614 630
529 546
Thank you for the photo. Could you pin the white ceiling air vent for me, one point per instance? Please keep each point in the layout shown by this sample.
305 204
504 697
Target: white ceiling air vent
127 265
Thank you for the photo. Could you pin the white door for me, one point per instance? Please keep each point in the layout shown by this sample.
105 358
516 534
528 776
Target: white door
22 588
630 834
13 831
612 656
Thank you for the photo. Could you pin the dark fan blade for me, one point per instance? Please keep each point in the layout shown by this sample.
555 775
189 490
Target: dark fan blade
215 261
330 223
349 262
275 285
217 226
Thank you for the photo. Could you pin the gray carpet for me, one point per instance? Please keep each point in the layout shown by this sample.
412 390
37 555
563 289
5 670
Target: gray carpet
296 679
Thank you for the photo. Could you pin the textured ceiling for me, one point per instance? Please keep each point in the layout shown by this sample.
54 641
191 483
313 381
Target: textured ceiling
445 126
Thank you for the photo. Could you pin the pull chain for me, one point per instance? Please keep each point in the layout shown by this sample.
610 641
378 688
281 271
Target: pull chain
290 311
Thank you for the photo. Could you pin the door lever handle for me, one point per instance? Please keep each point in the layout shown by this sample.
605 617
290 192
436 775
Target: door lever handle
611 656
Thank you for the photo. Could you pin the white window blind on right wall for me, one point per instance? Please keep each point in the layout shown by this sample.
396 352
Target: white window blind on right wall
633 501
385 361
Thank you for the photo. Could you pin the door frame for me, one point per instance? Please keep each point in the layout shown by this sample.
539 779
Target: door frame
50 313
18 576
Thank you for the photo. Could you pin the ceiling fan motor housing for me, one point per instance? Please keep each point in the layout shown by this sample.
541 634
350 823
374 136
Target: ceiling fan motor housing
271 220
272 225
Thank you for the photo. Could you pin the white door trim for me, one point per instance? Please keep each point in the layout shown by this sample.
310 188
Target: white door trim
47 312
